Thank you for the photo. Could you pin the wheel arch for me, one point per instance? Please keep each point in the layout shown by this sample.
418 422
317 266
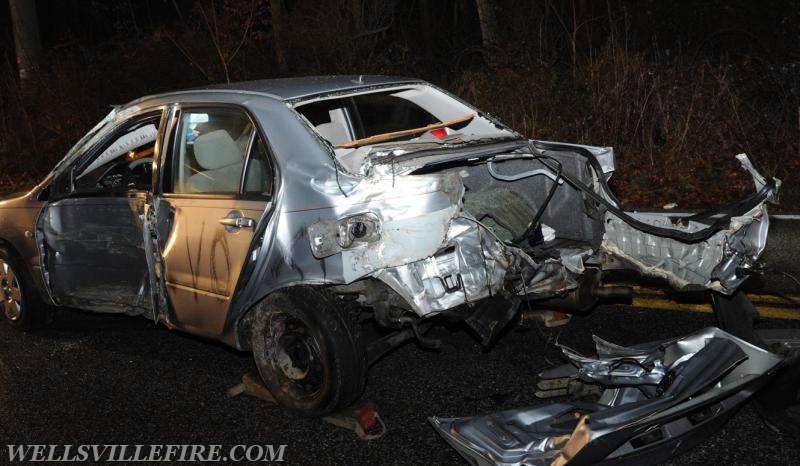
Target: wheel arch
34 273
242 326
334 361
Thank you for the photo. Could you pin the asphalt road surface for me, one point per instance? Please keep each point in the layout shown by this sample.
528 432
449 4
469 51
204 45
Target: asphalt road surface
99 379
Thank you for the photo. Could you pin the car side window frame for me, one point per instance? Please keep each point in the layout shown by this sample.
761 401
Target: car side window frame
164 186
57 190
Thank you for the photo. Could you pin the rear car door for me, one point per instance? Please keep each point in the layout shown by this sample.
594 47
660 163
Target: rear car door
217 183
92 233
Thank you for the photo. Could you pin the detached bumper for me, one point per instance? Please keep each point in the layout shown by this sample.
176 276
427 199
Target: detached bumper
657 399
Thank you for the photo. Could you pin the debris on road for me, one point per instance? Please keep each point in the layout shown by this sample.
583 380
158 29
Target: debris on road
658 399
362 418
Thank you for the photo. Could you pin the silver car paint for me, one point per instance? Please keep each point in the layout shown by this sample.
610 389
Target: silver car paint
720 380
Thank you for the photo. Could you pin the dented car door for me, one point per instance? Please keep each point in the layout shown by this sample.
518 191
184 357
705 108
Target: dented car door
91 234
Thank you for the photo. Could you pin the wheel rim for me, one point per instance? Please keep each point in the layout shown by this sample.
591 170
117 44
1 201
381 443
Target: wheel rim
295 355
11 291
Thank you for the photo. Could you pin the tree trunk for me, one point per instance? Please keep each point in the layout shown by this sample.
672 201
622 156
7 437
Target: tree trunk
26 37
356 14
276 9
488 24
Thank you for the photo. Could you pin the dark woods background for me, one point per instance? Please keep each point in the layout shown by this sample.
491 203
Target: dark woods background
677 87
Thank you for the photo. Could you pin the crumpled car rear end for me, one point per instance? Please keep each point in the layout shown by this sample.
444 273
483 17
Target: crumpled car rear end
719 259
527 220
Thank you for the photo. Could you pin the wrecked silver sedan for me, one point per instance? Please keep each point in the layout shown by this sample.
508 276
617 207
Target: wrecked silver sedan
275 216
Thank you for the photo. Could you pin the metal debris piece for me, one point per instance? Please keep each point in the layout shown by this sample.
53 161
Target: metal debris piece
685 389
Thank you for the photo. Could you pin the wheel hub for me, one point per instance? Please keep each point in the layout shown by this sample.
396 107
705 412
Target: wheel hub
294 357
295 354
10 291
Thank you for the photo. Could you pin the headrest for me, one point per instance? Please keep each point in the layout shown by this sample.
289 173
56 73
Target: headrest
216 150
334 132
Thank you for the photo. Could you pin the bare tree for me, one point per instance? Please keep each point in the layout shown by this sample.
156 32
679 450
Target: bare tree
488 23
276 10
26 37
356 11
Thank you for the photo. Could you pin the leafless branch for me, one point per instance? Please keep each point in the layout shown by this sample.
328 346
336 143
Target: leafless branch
187 55
245 33
214 31
372 31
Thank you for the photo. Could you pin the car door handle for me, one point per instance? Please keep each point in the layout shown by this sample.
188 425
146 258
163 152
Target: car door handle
238 222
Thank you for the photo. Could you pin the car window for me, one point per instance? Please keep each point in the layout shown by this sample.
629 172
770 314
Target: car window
86 142
377 113
384 113
331 119
209 149
123 163
259 178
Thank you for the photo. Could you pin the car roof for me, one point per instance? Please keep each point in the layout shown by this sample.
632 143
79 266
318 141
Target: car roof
290 89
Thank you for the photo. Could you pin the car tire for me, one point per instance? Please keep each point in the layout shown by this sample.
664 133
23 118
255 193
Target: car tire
309 351
22 307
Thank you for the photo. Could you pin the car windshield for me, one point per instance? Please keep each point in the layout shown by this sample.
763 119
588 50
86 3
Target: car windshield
91 138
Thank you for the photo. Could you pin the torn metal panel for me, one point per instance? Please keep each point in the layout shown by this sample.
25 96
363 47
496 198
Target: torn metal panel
628 367
604 155
718 263
404 220
721 262
708 374
417 240
471 268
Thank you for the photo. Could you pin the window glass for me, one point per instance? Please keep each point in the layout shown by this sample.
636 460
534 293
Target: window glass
378 113
259 177
384 113
330 118
209 151
124 163
318 113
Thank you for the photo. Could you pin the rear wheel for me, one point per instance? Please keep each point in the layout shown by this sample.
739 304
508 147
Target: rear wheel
21 305
308 350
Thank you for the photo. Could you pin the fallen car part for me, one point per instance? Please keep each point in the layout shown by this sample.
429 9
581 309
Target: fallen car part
658 399
361 418
779 402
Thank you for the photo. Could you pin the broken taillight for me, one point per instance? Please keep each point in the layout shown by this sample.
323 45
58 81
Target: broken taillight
439 132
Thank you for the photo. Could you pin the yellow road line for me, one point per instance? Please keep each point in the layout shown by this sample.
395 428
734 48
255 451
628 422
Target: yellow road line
765 311
786 299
